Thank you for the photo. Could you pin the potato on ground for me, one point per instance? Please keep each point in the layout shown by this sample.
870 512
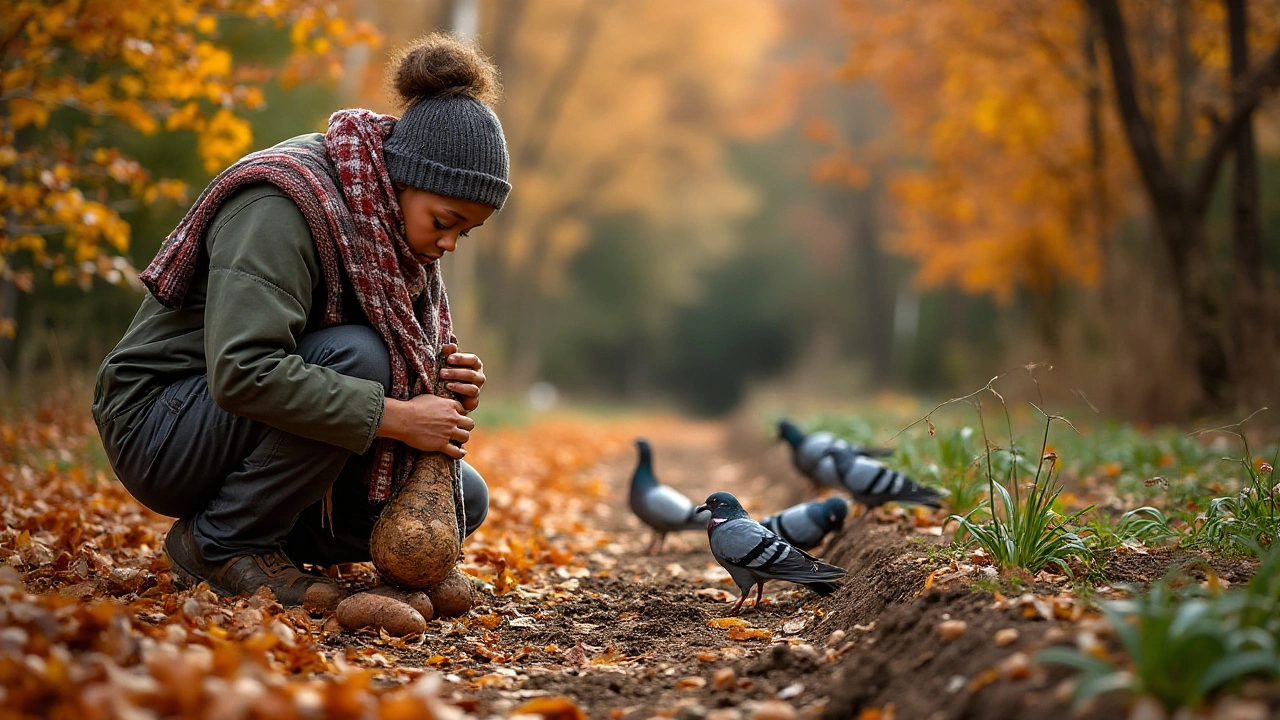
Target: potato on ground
452 596
368 610
417 599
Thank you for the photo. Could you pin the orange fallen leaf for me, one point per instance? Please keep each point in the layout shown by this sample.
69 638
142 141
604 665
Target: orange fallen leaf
691 683
552 708
983 679
489 621
727 622
741 633
611 656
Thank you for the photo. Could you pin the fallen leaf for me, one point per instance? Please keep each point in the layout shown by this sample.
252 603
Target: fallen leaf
741 633
552 708
774 710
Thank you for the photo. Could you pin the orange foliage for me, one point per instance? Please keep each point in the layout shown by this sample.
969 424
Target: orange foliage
994 96
74 68
91 624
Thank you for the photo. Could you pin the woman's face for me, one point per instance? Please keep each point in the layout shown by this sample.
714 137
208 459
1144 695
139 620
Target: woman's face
433 223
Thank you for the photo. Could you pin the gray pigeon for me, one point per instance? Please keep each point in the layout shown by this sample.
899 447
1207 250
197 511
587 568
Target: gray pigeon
807 524
660 507
832 462
753 555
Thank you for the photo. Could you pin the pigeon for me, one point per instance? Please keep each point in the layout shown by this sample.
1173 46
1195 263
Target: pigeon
807 524
660 507
807 451
832 462
753 554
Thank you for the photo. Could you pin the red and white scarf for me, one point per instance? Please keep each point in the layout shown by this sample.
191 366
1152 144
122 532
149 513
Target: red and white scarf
350 205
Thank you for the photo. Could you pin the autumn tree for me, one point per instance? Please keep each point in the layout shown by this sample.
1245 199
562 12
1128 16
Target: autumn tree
1014 121
74 73
1180 196
611 108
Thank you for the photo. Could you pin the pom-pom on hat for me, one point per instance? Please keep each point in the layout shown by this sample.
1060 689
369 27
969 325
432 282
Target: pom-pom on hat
448 140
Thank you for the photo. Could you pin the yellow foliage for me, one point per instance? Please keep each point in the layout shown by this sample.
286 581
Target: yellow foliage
225 138
24 112
146 66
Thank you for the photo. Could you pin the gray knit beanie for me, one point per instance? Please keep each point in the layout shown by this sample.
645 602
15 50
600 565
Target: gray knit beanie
448 141
450 145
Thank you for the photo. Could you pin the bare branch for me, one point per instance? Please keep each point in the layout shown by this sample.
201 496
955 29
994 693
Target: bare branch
1227 428
1163 187
1244 100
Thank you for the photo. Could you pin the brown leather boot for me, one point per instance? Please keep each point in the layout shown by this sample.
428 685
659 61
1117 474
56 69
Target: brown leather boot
244 574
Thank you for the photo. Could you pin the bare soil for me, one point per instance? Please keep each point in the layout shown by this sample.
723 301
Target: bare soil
634 638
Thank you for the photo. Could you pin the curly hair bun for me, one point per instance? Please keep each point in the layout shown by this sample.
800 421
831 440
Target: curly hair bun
440 64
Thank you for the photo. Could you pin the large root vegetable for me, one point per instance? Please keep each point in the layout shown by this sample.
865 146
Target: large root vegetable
416 541
367 610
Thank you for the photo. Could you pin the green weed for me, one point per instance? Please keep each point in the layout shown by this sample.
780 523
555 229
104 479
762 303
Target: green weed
1016 531
1185 645
1250 518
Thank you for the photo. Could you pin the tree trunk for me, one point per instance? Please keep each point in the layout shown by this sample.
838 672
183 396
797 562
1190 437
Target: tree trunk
1179 207
1185 68
1252 321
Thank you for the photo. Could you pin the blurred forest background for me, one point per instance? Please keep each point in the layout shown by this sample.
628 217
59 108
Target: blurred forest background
713 198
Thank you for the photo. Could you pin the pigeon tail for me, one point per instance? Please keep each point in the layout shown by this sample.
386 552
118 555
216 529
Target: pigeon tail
822 587
921 495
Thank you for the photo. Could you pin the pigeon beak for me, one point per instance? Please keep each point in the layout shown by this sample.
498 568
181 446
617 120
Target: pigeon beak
701 508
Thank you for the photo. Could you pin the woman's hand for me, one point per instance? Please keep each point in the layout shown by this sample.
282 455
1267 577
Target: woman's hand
428 422
465 375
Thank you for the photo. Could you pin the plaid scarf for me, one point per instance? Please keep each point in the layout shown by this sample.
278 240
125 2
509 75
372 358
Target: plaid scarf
350 205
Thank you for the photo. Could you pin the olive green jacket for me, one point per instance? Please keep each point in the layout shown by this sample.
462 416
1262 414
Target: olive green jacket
258 288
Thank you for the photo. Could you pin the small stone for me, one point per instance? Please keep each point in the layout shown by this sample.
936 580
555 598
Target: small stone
1016 667
951 629
1054 635
805 650
1007 636
774 710
1148 708
691 712
835 638
725 679
790 691
1235 709
725 714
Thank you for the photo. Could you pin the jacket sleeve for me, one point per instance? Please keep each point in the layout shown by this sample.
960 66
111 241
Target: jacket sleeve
263 270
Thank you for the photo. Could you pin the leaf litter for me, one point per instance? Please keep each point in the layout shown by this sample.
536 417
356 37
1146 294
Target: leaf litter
573 621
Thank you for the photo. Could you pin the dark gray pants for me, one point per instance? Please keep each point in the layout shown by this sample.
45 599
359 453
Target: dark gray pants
250 487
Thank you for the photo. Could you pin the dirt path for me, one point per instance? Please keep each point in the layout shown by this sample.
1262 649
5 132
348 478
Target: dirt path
625 635
630 634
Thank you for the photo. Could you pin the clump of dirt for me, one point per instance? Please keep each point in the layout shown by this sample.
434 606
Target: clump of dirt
907 661
882 569
1144 568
